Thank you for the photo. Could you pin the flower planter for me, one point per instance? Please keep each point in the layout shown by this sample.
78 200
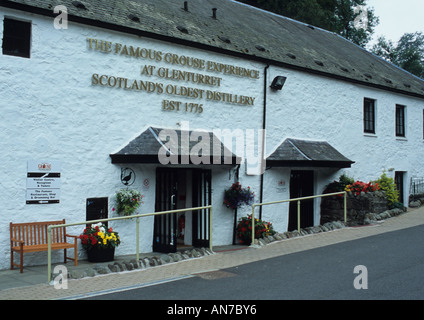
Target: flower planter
101 254
99 242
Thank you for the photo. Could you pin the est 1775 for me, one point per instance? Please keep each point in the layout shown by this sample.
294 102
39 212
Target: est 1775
171 105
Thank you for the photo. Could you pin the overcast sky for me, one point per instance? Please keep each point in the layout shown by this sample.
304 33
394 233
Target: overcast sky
397 17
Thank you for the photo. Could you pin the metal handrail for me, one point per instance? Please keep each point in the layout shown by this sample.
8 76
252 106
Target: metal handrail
298 208
137 217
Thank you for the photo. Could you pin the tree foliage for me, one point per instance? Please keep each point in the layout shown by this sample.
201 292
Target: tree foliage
348 18
408 53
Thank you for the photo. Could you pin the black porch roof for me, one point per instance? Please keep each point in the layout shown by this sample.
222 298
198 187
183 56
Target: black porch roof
205 147
303 153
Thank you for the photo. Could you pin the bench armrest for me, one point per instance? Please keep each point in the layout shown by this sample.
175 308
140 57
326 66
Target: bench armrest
18 241
72 236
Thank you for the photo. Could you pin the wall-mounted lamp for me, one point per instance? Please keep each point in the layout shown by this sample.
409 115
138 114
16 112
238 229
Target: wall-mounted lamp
278 82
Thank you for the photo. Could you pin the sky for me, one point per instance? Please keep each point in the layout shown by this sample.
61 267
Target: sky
397 17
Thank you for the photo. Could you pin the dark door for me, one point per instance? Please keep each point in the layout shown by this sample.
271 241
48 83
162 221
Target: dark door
165 225
301 185
399 184
201 197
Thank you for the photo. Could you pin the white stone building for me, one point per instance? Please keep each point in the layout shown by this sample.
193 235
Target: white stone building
89 87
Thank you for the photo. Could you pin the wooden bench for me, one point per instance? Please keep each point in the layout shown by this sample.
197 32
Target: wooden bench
32 237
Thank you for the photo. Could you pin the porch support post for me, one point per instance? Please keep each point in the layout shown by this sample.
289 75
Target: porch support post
298 216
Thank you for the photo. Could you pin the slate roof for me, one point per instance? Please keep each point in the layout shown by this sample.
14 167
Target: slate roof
238 30
303 153
145 148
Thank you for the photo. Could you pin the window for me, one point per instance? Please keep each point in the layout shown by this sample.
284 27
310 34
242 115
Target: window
400 121
97 208
369 115
16 38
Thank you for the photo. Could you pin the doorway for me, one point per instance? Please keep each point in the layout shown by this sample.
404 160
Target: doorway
179 189
301 185
399 184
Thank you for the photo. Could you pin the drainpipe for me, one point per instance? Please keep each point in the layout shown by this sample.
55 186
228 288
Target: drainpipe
236 179
263 140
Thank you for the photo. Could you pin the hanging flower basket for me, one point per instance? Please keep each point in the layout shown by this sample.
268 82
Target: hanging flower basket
236 196
128 201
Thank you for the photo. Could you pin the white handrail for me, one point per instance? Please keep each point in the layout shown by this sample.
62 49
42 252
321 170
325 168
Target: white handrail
298 208
137 217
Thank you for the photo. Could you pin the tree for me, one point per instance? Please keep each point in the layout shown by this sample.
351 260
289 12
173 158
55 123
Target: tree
408 53
354 21
348 18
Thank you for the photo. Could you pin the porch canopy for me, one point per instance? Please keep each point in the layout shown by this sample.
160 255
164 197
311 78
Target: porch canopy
174 146
303 153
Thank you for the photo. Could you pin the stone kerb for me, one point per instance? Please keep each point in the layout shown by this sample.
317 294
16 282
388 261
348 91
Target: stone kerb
416 201
369 218
133 264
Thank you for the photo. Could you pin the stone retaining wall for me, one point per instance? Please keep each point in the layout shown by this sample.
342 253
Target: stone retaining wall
357 207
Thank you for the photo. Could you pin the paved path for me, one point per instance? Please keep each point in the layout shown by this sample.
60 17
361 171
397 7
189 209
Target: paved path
220 260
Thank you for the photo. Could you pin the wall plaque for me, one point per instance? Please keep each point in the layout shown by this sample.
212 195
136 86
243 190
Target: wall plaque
43 182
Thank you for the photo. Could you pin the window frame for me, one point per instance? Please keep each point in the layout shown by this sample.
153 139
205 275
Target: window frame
369 116
400 121
16 44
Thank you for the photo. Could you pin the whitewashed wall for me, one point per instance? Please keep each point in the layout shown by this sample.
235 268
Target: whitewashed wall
315 108
51 111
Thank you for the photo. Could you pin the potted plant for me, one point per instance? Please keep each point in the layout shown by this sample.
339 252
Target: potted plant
237 196
244 229
99 242
128 201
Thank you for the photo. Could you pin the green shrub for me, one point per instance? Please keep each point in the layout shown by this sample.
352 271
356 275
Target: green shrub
338 186
388 185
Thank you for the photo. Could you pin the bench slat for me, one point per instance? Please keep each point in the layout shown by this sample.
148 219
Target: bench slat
44 247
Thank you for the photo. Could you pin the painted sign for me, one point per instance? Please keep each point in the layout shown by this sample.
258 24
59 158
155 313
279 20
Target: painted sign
43 182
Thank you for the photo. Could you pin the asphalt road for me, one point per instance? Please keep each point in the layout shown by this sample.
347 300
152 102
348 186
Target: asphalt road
393 268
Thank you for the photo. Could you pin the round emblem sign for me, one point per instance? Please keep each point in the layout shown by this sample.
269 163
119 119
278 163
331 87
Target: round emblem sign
127 176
